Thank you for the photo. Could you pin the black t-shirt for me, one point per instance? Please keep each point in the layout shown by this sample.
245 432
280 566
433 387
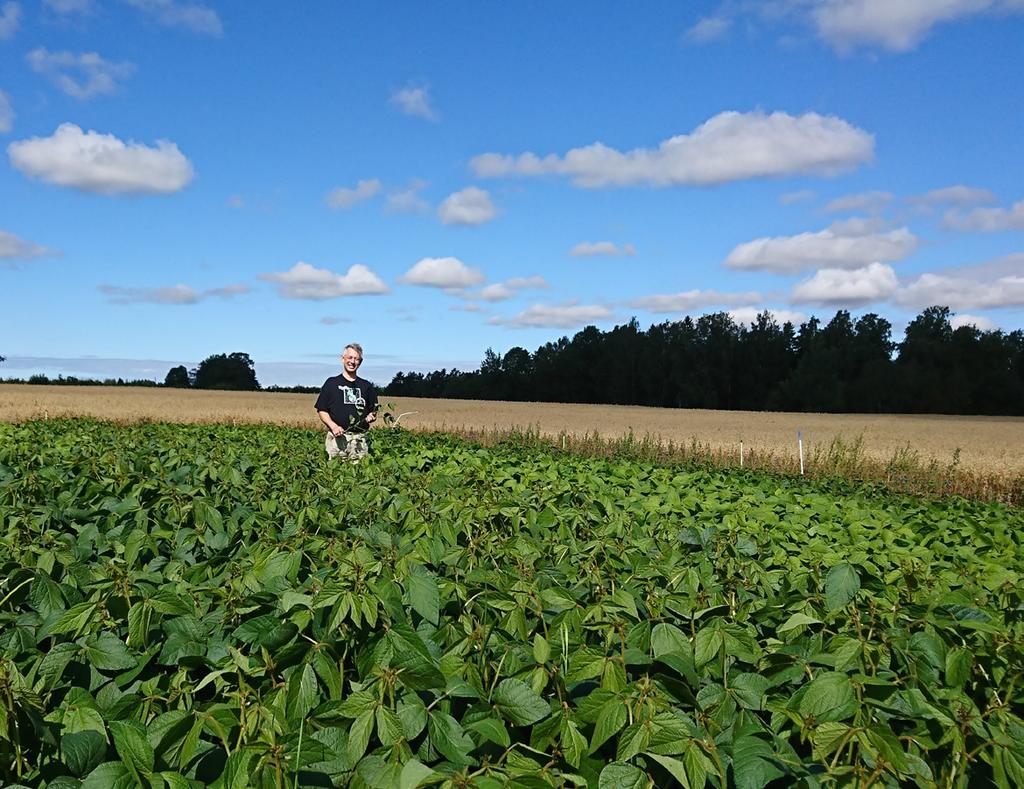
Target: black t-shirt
348 402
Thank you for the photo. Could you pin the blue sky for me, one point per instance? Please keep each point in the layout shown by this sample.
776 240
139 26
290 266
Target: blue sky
180 179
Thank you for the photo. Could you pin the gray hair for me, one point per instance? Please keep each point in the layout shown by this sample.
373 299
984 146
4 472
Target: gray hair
355 347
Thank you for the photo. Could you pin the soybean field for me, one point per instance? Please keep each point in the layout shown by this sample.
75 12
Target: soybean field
216 605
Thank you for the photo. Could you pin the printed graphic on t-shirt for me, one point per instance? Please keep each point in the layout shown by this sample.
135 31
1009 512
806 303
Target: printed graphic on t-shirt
352 395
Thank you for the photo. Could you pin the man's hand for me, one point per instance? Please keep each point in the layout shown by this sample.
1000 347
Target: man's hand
336 430
371 417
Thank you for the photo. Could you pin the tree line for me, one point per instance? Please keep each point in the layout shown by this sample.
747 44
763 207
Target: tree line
844 366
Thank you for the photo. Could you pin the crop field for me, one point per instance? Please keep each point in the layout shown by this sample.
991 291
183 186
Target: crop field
190 605
978 443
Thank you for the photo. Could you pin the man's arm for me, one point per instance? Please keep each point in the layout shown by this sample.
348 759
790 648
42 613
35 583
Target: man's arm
329 423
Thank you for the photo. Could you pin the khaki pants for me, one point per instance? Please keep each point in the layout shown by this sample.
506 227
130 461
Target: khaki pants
354 447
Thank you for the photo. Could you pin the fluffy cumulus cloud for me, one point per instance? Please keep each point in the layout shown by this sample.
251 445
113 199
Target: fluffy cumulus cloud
10 19
965 290
6 114
846 288
986 220
82 75
194 17
977 321
303 281
708 28
556 316
407 199
597 248
731 146
871 202
343 198
844 245
447 272
501 291
801 196
958 195
94 162
14 248
895 26
690 300
748 315
470 206
415 100
171 294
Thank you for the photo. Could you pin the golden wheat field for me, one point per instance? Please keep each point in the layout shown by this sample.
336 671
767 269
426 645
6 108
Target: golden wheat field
992 445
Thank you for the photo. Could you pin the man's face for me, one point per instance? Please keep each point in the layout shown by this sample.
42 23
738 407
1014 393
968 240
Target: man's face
351 361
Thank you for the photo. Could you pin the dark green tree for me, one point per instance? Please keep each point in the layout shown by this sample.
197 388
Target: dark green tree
177 378
230 371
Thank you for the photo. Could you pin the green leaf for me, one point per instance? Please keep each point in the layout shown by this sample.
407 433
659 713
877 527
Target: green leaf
491 729
798 619
132 746
707 645
517 702
829 696
110 775
841 586
423 593
750 763
83 751
958 667
611 718
620 775
634 739
574 744
447 737
414 773
828 736
359 736
669 638
676 768
389 726
541 649
749 689
303 694
108 653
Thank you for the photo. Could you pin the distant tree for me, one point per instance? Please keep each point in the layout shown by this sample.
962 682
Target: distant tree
177 378
231 371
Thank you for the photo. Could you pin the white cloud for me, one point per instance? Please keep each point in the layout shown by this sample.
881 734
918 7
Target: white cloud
956 195
843 287
6 113
556 316
193 17
475 308
708 28
334 320
846 245
236 201
470 206
692 300
447 272
102 163
961 292
748 315
521 283
729 147
14 248
303 281
872 202
986 220
407 200
589 249
897 26
80 76
500 291
172 294
10 18
415 101
801 196
977 321
496 292
344 198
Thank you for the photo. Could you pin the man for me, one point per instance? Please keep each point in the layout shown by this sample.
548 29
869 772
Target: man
347 406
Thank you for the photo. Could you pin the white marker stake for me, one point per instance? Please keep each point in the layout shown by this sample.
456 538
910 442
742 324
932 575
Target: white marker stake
741 454
800 447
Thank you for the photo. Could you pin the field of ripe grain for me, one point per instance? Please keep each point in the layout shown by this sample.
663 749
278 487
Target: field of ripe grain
982 444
